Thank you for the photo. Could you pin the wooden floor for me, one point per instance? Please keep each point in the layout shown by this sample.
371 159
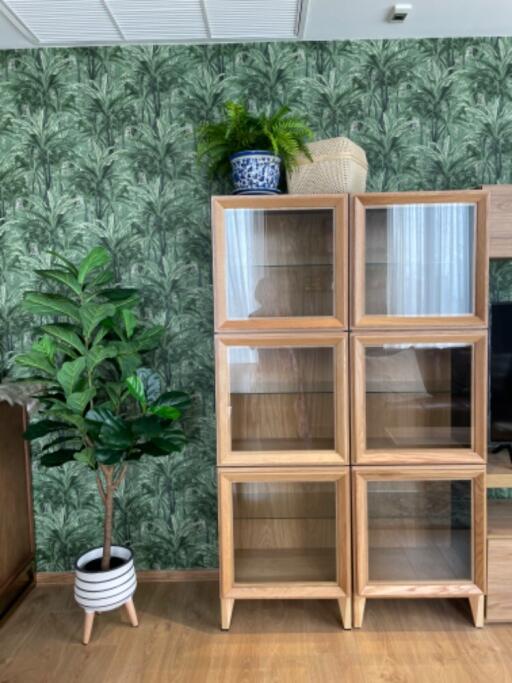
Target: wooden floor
179 641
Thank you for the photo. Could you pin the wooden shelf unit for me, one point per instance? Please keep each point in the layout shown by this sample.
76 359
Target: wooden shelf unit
418 357
284 533
280 263
281 287
282 399
281 347
415 402
420 532
371 217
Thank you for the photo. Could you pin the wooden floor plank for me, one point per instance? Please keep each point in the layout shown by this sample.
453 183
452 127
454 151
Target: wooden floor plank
179 639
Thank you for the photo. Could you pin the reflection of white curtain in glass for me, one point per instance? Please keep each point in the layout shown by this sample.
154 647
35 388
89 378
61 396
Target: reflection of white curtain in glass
245 251
430 259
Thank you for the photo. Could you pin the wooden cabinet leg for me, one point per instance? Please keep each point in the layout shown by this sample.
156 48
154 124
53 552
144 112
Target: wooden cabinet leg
476 602
226 612
88 622
346 612
359 605
132 614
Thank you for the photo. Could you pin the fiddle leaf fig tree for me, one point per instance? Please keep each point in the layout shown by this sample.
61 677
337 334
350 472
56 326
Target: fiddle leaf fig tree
102 407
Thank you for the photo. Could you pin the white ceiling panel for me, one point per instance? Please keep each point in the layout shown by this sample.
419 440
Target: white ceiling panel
233 19
65 21
159 19
345 19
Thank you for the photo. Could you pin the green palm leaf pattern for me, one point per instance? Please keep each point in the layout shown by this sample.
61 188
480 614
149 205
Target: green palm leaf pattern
98 148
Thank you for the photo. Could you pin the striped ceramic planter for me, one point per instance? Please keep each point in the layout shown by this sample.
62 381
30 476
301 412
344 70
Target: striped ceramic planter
98 591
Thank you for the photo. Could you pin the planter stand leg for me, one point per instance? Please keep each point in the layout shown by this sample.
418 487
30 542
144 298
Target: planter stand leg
89 620
132 614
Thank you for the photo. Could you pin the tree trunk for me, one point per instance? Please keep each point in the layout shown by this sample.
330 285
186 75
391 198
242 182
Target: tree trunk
108 473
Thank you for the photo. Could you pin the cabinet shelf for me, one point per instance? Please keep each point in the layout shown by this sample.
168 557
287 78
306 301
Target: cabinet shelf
499 470
499 518
291 445
285 565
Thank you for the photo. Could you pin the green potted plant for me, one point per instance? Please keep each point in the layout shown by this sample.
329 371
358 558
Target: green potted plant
252 148
101 407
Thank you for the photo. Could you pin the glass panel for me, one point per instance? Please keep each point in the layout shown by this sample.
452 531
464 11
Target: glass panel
420 260
418 396
419 530
281 398
284 531
279 263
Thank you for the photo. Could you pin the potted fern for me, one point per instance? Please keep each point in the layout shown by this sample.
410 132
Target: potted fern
100 406
252 148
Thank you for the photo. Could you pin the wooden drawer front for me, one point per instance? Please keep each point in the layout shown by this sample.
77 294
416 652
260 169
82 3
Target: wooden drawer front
499 580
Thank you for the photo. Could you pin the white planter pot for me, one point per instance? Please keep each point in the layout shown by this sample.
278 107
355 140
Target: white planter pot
102 591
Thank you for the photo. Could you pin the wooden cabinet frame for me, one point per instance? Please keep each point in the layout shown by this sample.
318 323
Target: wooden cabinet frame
339 589
339 204
477 454
360 202
339 456
364 588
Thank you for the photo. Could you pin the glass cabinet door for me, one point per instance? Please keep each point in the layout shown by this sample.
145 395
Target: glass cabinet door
419 398
420 262
280 266
419 531
284 531
419 527
284 401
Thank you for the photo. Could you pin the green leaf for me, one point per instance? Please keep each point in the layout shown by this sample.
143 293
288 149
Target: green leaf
173 399
109 456
36 360
148 339
70 373
152 383
50 304
57 458
46 346
95 259
70 418
98 354
128 364
70 266
78 401
86 456
114 431
101 416
130 321
70 439
165 412
136 388
92 315
63 277
147 426
127 296
36 430
65 334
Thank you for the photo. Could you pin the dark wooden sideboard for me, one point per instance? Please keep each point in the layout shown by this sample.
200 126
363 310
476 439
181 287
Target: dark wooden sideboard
17 549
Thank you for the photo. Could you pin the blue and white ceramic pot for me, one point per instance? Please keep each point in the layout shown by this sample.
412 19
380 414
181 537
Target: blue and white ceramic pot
256 172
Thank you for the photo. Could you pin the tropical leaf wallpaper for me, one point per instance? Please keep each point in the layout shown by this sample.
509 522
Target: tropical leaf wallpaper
98 146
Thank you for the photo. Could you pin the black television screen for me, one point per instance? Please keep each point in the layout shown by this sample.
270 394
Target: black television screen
501 374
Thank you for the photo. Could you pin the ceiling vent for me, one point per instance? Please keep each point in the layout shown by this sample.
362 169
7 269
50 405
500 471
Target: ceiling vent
177 20
233 19
66 21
